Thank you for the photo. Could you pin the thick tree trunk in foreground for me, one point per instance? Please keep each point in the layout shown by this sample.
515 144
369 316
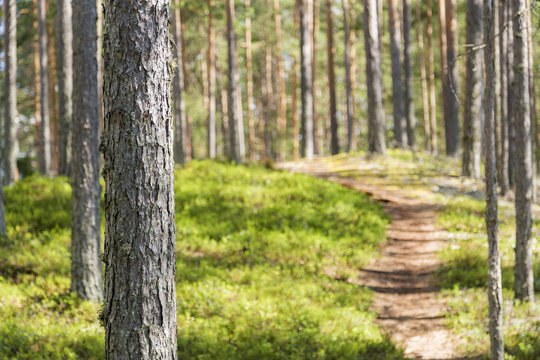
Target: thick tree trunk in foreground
523 270
307 84
451 115
350 107
376 126
473 114
211 126
494 262
407 64
334 142
140 307
180 127
64 73
45 130
11 120
86 278
398 97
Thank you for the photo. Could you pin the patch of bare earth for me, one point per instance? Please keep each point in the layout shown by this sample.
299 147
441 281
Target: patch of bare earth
407 300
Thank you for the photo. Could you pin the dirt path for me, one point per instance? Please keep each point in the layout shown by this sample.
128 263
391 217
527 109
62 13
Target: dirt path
409 305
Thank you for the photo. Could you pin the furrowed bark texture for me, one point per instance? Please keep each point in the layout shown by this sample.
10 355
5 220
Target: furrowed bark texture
407 65
180 127
86 277
473 114
398 98
140 296
45 165
376 126
523 270
331 50
494 262
11 120
64 74
306 82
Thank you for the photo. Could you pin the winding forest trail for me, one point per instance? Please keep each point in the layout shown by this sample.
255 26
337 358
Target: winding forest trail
408 303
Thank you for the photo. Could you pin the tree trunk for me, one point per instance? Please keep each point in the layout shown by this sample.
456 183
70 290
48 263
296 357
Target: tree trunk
334 143
64 73
282 108
497 91
350 115
234 116
532 101
451 116
211 129
224 113
398 99
503 62
423 75
3 231
473 114
510 96
45 136
37 95
249 76
294 91
407 64
443 59
494 262
139 316
86 278
376 125
354 66
52 93
431 79
268 105
180 128
313 11
523 271
11 120
307 83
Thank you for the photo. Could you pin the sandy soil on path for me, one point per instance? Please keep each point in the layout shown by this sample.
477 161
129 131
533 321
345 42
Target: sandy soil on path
407 301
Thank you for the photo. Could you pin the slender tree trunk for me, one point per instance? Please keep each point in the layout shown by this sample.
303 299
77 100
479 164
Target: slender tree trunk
350 115
431 78
334 143
139 316
376 125
473 114
443 60
249 76
180 128
211 129
318 128
268 104
45 156
11 120
423 75
523 271
294 91
398 98
407 64
234 116
494 262
86 278
37 95
64 72
534 131
307 83
497 84
510 97
503 46
52 93
282 108
224 113
451 117
352 43
3 231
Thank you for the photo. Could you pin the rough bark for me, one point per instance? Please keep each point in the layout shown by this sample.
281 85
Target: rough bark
510 97
11 120
532 102
234 116
306 83
407 65
180 138
494 262
523 270
376 125
3 231
45 131
451 115
473 112
331 50
503 54
211 125
398 98
350 108
431 78
140 307
64 73
53 113
86 278
423 75
249 87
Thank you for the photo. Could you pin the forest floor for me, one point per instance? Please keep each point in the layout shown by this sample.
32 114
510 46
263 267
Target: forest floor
408 301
